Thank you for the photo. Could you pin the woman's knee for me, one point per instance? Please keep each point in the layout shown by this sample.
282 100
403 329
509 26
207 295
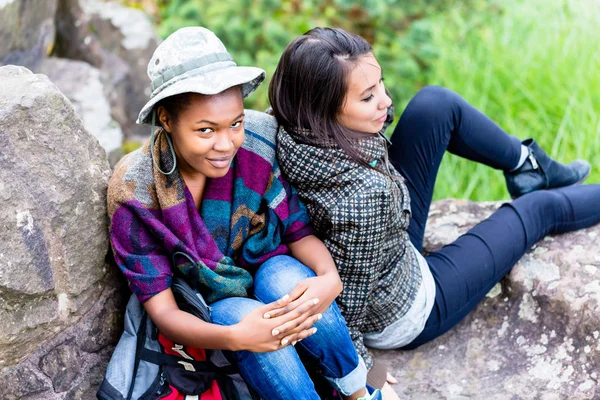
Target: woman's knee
540 212
539 204
434 102
278 276
431 111
232 310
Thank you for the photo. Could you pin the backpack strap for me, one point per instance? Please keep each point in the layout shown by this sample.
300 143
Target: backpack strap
158 358
140 346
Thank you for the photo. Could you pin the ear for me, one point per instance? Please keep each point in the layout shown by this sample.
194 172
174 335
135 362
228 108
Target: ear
164 119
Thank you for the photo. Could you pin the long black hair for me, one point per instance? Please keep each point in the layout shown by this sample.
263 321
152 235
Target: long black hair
309 86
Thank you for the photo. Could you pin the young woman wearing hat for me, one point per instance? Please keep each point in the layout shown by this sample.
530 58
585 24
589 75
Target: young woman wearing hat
369 199
204 199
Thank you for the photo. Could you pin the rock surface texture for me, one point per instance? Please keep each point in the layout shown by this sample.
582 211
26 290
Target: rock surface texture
59 300
56 37
535 336
27 31
82 84
117 40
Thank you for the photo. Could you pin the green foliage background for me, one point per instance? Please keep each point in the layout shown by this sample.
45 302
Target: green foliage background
531 65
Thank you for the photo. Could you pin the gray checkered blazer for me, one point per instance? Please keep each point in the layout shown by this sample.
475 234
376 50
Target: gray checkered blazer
361 214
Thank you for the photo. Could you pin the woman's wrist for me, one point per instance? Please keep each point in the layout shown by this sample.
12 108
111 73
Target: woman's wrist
336 281
233 338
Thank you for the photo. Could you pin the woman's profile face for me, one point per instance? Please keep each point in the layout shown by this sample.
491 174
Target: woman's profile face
366 103
208 133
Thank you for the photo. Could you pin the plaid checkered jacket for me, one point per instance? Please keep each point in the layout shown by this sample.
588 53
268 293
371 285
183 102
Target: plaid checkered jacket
361 214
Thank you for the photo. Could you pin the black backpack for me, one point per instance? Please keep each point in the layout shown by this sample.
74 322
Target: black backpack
139 369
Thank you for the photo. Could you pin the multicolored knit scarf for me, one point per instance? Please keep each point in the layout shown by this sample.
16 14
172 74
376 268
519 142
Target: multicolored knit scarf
245 218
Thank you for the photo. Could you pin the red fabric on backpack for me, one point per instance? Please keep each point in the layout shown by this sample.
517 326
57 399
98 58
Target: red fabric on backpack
197 354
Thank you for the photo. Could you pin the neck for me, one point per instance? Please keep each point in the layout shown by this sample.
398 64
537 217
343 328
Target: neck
195 185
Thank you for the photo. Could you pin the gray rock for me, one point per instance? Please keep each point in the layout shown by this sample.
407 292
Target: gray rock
536 335
117 40
23 381
53 178
83 86
121 29
106 326
41 375
62 364
88 388
79 38
75 39
27 31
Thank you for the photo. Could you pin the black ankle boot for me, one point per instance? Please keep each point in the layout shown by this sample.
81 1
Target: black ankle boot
541 172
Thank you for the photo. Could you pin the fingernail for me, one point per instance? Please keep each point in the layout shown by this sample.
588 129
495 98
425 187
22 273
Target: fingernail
284 298
275 332
294 342
319 316
314 330
284 342
267 316
316 301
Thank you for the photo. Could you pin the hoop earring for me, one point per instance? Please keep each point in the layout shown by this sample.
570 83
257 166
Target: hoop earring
152 141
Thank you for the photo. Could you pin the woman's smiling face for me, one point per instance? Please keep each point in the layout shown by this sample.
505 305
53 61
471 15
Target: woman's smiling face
366 102
207 132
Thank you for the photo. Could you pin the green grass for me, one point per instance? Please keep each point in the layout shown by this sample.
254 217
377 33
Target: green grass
533 66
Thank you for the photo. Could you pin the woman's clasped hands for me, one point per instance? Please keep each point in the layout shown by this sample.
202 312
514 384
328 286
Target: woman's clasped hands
289 319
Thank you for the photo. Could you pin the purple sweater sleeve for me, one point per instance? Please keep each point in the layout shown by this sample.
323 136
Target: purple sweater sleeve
140 257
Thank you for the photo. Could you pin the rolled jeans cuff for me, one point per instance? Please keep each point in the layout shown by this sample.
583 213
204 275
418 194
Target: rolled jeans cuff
353 382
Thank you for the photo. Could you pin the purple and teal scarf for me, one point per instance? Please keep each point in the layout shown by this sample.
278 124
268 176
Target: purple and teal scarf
245 218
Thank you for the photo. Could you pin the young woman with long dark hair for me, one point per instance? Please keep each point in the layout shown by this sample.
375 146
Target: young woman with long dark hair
369 198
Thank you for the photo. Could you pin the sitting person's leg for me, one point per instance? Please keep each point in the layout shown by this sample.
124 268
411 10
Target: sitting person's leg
330 345
274 375
437 119
466 270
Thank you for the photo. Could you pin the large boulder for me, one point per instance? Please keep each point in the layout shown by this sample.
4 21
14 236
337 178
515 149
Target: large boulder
83 86
59 300
117 40
535 336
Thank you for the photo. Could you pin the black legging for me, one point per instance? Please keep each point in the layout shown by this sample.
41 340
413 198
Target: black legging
434 121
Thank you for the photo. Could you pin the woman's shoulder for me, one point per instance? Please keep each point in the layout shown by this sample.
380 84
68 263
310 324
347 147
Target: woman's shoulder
359 186
261 125
133 169
131 165
260 129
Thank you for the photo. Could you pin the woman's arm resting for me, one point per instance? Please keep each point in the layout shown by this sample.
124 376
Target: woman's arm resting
311 252
185 328
325 287
253 333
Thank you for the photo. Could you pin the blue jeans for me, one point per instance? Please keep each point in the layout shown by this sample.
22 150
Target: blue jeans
437 120
280 374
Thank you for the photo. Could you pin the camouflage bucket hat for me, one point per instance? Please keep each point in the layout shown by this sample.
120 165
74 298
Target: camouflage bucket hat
193 59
